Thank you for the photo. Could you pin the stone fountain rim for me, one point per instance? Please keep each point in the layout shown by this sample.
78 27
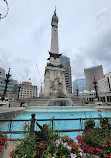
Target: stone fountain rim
61 99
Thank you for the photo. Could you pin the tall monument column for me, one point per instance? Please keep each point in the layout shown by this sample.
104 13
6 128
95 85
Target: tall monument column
54 79
54 38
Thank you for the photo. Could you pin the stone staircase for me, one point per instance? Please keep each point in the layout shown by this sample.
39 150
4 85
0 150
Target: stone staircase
39 102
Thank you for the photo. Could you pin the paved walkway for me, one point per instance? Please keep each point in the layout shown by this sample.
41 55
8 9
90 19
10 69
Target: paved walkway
102 107
10 147
4 109
11 144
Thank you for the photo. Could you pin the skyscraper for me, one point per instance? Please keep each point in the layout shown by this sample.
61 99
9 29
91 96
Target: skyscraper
79 84
92 72
65 62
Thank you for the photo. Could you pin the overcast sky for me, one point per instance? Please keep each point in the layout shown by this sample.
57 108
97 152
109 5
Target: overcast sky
25 36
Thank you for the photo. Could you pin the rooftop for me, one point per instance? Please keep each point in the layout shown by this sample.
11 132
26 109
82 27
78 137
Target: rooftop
94 67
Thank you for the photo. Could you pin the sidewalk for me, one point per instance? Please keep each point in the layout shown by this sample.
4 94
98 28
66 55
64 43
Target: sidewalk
10 147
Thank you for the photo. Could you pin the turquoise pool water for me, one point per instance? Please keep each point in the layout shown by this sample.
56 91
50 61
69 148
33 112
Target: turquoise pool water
61 125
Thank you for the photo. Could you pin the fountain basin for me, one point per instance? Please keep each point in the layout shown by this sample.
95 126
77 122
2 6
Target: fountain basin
60 102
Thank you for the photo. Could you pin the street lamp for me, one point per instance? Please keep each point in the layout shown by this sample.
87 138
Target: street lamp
95 87
3 16
77 92
19 87
6 84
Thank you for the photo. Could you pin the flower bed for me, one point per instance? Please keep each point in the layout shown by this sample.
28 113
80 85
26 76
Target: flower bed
46 144
57 147
3 143
64 147
96 140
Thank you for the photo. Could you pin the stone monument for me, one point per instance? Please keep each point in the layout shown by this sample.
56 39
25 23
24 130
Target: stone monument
54 79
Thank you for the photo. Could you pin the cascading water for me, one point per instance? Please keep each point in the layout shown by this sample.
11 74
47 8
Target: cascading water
60 102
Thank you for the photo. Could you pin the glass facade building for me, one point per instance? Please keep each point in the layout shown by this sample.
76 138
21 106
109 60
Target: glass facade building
65 62
80 84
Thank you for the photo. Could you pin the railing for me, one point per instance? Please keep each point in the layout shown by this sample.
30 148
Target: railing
10 124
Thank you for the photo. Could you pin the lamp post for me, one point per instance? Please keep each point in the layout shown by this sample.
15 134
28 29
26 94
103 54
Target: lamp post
19 87
77 92
95 87
6 84
3 16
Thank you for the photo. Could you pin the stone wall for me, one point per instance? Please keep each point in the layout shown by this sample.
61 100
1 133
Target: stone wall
10 114
14 104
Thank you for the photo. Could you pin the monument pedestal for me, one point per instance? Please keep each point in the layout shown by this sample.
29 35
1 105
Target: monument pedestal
54 83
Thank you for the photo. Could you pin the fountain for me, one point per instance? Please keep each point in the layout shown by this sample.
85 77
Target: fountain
60 102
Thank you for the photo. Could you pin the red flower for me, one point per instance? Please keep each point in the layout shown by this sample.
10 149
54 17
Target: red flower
101 151
108 139
97 149
105 155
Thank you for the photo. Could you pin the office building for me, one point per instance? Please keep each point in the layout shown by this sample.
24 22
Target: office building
2 72
108 77
79 84
27 90
104 85
92 72
65 62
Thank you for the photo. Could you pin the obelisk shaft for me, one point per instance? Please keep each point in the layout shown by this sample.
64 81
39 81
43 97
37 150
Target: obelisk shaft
54 36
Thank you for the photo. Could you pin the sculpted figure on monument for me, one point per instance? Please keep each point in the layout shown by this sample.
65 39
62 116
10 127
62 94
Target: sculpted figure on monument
57 88
48 74
56 84
60 94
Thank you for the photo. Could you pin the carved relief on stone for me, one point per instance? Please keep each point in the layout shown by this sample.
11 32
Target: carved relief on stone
47 73
51 84
56 84
57 74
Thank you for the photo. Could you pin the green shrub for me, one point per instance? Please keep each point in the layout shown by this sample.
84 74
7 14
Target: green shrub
89 124
105 123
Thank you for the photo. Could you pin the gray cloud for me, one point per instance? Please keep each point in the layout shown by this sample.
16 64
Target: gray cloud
99 48
26 32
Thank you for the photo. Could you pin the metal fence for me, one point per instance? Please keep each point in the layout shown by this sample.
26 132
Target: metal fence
52 121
